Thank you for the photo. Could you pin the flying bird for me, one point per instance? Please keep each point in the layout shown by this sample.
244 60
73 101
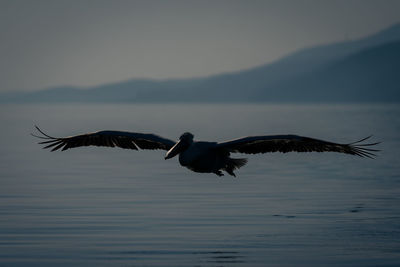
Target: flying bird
206 157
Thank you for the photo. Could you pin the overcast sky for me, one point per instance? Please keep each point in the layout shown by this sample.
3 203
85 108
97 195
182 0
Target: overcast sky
85 43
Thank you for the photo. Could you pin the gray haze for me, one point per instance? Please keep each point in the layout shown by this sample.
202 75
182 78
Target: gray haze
85 43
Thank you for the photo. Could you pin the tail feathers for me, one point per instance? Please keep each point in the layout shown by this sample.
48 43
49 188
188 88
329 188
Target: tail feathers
234 164
238 163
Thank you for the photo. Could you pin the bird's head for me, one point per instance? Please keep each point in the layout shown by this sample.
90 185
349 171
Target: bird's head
184 142
186 137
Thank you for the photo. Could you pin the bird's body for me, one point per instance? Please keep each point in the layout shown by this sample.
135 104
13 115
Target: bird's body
200 157
206 157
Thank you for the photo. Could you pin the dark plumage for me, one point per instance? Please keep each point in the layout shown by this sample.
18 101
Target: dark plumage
290 143
207 156
126 140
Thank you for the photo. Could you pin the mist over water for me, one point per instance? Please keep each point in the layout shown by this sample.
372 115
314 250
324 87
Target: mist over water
112 207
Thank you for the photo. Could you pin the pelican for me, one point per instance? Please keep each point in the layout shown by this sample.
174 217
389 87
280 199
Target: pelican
206 157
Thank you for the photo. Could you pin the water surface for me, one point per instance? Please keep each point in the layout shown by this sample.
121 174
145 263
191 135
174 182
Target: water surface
114 207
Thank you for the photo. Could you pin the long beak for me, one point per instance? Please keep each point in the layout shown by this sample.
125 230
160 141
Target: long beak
175 150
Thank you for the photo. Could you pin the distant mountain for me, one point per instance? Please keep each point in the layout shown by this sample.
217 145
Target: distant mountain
365 70
371 75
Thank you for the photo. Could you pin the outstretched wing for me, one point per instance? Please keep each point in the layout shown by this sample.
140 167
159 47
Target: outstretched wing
289 143
126 140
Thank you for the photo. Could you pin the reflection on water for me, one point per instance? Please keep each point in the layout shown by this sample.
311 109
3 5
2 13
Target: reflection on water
107 207
222 258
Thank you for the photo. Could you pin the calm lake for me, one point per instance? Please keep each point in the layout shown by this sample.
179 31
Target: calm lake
114 207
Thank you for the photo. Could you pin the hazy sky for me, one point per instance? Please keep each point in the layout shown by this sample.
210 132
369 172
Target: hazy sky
85 43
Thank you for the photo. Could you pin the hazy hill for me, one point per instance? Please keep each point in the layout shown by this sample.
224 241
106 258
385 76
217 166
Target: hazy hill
352 71
372 74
